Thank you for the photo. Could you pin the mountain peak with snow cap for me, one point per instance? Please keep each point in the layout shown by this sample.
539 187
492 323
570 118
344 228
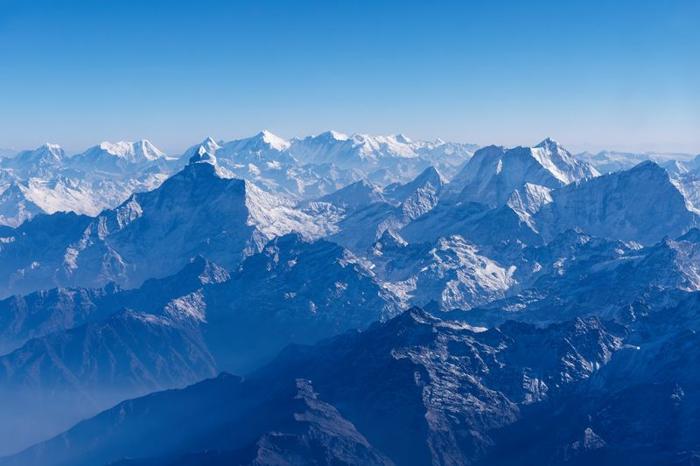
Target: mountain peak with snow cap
203 155
43 160
259 150
47 149
560 163
333 135
135 152
548 142
641 204
209 144
494 173
272 140
403 139
52 147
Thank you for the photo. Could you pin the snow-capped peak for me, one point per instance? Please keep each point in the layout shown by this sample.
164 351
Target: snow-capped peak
209 145
210 142
548 143
333 135
560 163
138 151
31 162
54 148
338 136
494 172
272 140
47 149
403 139
203 155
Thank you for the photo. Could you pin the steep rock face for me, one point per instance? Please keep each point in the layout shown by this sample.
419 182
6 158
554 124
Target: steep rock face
451 272
448 385
419 196
640 204
196 212
529 200
373 211
495 172
578 275
37 162
439 392
500 233
16 206
298 428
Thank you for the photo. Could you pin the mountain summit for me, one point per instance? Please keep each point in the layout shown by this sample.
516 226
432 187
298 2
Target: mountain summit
494 173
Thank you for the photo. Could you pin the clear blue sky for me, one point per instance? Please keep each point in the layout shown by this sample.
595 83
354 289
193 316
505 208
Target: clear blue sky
619 74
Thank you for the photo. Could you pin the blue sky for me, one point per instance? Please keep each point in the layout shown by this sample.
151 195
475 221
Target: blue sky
592 74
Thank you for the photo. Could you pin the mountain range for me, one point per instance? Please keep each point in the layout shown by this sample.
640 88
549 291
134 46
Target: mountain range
348 299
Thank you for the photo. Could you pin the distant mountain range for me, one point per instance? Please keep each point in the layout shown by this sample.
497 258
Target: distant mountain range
379 300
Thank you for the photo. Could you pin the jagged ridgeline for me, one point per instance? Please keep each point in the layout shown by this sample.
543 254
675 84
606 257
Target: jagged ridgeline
348 299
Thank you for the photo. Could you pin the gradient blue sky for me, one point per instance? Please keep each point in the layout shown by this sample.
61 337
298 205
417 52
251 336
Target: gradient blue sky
592 74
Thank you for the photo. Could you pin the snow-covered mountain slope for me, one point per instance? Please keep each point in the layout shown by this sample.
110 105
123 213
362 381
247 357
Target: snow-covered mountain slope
450 273
42 161
608 161
263 148
500 233
100 178
528 200
16 206
362 212
350 151
687 180
444 386
265 159
308 168
577 275
418 196
382 159
120 158
640 204
494 173
152 234
354 196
